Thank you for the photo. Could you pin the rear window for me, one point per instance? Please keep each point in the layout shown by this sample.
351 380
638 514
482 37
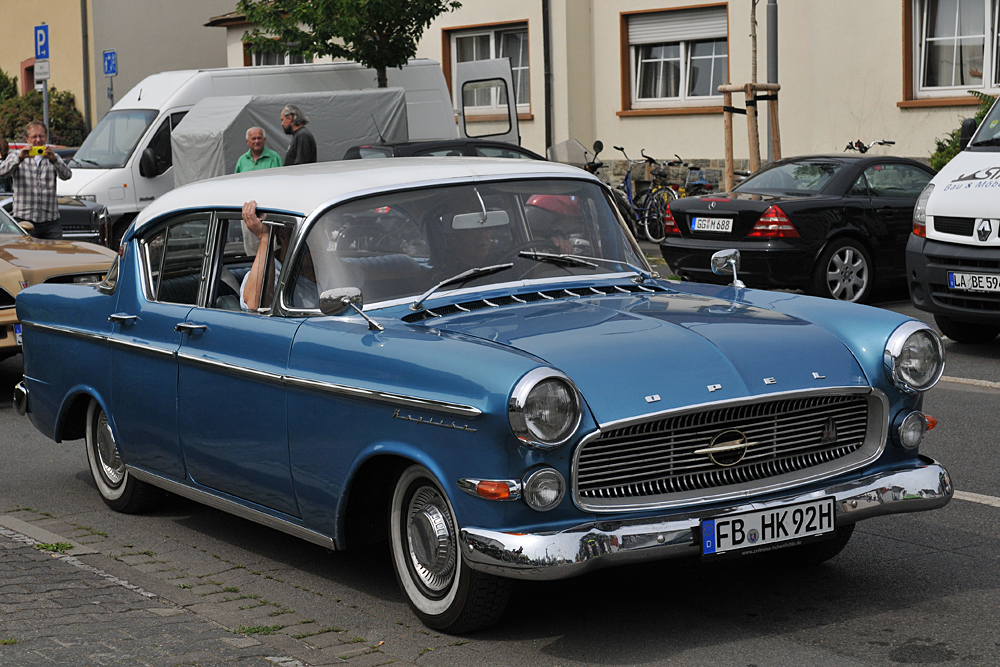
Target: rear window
792 178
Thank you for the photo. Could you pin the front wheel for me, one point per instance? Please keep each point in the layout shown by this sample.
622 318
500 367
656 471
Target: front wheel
118 488
844 272
426 553
966 332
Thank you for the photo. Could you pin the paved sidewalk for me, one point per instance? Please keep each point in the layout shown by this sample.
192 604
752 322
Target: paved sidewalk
57 610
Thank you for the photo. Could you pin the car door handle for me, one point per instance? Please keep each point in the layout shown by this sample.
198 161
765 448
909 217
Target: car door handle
187 327
122 318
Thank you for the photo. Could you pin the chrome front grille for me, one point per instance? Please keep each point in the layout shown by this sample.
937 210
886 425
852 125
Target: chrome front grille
670 459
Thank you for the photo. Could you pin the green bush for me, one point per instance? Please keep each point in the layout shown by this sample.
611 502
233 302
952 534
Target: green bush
947 147
66 126
8 86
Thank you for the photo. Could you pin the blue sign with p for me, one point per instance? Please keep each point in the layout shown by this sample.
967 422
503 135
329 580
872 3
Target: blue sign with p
41 42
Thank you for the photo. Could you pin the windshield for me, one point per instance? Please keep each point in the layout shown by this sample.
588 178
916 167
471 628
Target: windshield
989 129
399 245
113 140
794 178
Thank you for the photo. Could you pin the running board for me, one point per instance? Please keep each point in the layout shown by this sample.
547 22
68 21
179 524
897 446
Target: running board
232 507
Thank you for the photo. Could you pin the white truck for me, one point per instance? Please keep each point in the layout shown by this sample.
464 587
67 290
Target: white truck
953 254
126 162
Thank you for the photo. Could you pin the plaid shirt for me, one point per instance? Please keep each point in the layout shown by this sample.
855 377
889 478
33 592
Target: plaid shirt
35 186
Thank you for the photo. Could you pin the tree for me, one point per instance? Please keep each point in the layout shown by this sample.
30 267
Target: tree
8 86
66 125
376 33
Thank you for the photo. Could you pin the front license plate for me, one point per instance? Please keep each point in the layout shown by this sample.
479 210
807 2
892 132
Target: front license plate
17 334
974 282
757 531
711 225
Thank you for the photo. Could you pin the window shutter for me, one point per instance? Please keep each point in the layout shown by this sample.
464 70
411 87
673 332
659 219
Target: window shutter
677 26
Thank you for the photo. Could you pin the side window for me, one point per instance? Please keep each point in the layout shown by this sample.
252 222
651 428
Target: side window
860 187
160 143
896 180
492 151
441 152
174 258
235 252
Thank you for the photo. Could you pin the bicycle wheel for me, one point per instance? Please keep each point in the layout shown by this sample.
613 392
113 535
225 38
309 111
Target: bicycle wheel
627 212
656 208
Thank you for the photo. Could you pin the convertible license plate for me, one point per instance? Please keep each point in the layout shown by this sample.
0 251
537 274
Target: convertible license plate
974 282
711 224
758 531
17 334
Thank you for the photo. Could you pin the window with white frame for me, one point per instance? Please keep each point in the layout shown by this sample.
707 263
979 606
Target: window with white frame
259 58
502 42
956 46
678 56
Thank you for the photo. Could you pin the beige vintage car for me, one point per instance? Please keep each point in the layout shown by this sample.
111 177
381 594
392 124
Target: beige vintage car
25 260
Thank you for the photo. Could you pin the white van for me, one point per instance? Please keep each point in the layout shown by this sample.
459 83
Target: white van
125 162
953 254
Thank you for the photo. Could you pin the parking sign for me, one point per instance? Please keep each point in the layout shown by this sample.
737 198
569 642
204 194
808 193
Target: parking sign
110 63
41 42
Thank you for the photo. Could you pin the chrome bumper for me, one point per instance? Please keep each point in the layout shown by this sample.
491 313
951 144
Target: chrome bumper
21 398
602 543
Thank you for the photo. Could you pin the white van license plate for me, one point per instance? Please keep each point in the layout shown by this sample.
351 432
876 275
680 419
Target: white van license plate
974 282
756 531
723 225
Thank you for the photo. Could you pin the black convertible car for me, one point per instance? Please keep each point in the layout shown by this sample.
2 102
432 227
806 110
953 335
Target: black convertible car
828 224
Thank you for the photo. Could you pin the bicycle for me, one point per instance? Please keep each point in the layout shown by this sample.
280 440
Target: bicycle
621 202
863 148
648 207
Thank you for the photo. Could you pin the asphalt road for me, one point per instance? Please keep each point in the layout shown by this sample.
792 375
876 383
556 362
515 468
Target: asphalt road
909 589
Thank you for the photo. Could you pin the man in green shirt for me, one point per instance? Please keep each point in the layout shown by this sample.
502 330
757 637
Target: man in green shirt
257 157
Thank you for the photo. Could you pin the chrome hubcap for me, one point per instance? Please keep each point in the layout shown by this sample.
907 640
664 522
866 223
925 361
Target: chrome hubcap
847 275
107 453
431 542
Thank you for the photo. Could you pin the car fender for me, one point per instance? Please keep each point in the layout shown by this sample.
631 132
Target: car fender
71 418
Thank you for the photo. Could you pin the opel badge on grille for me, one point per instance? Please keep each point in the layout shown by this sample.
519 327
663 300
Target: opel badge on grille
727 448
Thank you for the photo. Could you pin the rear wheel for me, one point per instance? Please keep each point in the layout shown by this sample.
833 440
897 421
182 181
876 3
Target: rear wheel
118 488
844 272
439 587
656 209
966 332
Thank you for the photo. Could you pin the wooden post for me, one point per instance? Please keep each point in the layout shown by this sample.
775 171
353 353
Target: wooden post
727 122
772 110
752 136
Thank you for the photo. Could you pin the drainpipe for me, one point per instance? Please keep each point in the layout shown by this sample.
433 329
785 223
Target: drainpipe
772 62
86 65
547 51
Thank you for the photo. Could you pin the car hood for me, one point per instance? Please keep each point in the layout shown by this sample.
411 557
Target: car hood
40 259
79 182
635 355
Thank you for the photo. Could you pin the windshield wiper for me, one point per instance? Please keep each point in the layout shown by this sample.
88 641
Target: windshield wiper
80 160
552 258
463 277
642 275
995 141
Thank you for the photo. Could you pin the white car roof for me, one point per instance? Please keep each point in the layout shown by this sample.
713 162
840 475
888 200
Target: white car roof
304 188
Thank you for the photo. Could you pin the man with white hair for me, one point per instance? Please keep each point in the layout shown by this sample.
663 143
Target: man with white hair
257 157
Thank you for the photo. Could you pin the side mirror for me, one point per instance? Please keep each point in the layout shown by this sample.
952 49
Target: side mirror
598 146
26 226
968 129
725 262
148 168
336 301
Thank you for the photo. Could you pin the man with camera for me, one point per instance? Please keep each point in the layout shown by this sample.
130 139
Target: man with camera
34 171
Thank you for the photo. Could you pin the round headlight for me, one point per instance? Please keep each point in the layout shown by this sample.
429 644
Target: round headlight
912 429
543 489
914 357
544 408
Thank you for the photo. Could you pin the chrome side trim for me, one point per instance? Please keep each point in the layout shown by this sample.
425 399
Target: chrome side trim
232 507
384 397
76 333
141 347
589 546
874 445
231 369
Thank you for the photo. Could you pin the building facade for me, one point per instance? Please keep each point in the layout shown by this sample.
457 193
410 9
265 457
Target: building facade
149 36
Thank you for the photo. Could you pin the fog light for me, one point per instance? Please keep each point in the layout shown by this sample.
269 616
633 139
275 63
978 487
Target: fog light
543 489
912 429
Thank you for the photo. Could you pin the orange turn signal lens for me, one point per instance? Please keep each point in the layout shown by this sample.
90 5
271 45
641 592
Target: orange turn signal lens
931 422
493 490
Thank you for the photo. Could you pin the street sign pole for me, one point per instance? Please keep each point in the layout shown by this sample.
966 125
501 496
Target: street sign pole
42 69
111 71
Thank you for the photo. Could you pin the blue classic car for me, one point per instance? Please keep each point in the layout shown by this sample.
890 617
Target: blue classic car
472 358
